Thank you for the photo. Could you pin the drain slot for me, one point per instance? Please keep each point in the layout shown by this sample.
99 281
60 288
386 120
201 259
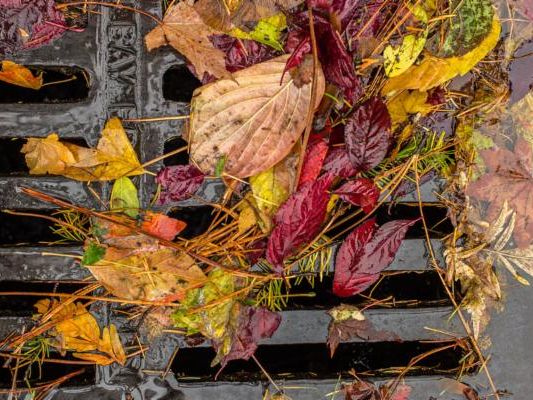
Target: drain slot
406 289
311 361
62 85
47 373
198 220
179 84
177 159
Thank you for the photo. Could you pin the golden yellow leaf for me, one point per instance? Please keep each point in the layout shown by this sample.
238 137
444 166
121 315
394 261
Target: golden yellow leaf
252 121
405 103
113 157
184 29
434 71
247 218
99 359
399 59
19 75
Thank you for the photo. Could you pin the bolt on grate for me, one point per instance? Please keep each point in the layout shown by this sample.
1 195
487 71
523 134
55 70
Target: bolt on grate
116 76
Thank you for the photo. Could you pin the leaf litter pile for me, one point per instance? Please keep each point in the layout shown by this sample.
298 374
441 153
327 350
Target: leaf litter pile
313 114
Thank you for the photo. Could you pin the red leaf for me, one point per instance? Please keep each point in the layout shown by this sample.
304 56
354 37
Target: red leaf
254 324
367 134
178 182
361 259
28 24
314 158
361 192
298 220
162 226
337 163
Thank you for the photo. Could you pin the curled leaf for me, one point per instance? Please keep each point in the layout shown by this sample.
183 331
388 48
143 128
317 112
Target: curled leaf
252 119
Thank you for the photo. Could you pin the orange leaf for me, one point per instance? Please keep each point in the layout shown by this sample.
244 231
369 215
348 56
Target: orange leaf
162 226
19 75
93 357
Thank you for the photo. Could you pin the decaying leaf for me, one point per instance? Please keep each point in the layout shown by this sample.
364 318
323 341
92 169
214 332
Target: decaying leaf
298 220
365 253
76 330
433 71
185 31
399 59
19 75
362 390
348 322
124 197
267 31
178 182
251 119
113 157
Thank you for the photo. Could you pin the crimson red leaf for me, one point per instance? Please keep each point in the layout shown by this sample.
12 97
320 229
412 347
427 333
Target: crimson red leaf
28 24
337 163
178 182
254 324
298 220
361 259
367 134
313 160
361 192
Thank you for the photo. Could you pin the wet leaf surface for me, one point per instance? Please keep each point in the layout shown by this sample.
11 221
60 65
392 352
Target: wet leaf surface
178 182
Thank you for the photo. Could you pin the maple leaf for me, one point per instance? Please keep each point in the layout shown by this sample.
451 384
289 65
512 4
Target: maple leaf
185 31
348 322
509 179
28 23
178 182
19 75
367 134
233 119
113 157
365 253
361 192
298 220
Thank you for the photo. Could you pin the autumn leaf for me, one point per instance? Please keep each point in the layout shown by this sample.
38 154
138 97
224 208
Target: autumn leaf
267 31
337 163
367 134
178 182
298 220
124 197
362 390
185 31
361 192
348 322
113 157
315 155
247 218
93 253
28 24
399 59
406 103
508 179
365 253
162 226
19 75
433 71
251 119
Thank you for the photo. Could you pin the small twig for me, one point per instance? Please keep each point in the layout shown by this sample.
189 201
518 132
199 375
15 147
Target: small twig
266 373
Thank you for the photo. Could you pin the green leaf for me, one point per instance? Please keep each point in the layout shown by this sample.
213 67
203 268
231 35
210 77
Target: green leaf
470 25
267 31
221 163
124 197
93 254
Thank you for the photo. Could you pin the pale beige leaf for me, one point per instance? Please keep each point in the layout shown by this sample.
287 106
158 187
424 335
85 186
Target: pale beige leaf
184 29
252 120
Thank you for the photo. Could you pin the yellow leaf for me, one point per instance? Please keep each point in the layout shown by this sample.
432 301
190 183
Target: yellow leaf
434 71
267 31
405 103
247 219
19 75
113 157
399 59
95 358
116 345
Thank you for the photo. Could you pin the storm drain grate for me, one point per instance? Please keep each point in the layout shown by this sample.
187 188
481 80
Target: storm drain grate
113 75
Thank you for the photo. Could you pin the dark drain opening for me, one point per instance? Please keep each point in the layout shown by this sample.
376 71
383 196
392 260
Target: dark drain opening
198 220
22 306
177 159
436 219
179 84
12 161
406 289
71 85
48 372
311 361
19 229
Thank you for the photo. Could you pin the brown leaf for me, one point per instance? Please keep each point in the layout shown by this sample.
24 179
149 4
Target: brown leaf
184 29
20 76
252 120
